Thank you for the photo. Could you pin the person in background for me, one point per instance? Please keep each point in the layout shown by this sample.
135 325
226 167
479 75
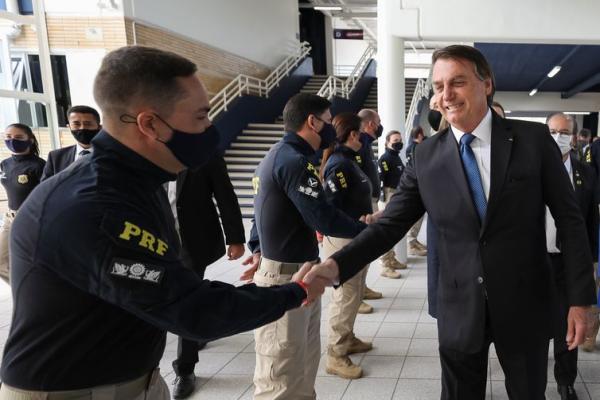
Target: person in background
416 248
583 181
348 188
390 170
84 123
192 197
19 175
584 141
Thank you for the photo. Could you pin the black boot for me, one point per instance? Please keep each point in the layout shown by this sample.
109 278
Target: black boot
183 386
567 392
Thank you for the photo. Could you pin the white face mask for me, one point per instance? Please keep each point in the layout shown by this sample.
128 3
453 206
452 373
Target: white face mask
563 142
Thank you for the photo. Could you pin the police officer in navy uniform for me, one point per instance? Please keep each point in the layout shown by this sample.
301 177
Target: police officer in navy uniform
19 175
97 275
289 206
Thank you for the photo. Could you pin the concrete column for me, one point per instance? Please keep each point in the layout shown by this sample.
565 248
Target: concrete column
390 85
329 44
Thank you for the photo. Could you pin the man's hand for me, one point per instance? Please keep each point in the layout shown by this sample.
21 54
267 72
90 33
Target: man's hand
327 270
314 289
253 262
372 218
576 326
235 251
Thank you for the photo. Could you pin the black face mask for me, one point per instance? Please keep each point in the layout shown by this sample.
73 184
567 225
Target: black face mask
327 133
397 146
379 131
434 118
84 136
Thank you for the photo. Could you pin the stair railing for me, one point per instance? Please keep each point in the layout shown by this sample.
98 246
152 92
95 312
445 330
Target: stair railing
335 86
422 90
249 85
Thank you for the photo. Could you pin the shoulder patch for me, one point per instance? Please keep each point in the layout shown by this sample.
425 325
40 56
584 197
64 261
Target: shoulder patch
136 271
125 232
311 168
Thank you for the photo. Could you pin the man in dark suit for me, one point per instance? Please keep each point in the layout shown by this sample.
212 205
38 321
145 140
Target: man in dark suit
197 221
484 183
583 179
84 123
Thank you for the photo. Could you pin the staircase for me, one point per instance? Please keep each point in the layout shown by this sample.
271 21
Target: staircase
250 147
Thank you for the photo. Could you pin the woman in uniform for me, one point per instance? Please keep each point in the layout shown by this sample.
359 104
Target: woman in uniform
19 175
349 189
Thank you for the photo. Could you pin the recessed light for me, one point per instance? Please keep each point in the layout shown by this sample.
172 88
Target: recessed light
533 92
328 8
554 71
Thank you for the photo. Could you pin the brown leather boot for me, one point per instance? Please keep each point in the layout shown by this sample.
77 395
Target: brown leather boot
343 367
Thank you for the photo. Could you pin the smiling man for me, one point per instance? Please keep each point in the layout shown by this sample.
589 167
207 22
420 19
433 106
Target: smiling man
484 182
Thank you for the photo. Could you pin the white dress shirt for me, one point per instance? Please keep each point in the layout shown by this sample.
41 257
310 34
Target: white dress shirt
550 224
171 189
482 148
79 149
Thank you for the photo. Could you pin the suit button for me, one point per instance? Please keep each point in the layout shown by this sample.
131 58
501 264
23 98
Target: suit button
480 280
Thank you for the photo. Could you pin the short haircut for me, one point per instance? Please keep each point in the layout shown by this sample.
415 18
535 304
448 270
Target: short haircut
483 70
565 116
299 107
585 132
138 75
367 115
35 146
390 134
84 110
496 104
344 123
416 132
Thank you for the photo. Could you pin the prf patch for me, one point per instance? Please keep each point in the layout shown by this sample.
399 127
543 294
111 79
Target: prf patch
23 179
311 168
145 239
255 184
358 159
342 179
385 166
136 271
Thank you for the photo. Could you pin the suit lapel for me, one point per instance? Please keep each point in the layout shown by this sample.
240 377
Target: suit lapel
72 155
502 142
454 167
577 182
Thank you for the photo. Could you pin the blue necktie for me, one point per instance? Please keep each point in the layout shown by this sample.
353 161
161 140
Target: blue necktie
473 177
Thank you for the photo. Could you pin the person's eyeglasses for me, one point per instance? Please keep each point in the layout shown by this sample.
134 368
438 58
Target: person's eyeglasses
564 132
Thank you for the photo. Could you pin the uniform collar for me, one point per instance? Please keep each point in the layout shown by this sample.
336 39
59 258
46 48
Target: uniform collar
366 138
298 143
346 151
108 149
392 152
22 157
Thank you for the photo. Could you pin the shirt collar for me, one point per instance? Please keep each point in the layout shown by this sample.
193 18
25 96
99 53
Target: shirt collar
299 143
483 131
79 149
567 163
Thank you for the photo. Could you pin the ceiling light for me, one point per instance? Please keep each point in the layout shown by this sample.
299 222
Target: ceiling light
578 112
507 111
533 92
328 8
554 71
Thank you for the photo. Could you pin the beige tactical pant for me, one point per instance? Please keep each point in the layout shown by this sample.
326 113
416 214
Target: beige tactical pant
9 217
287 350
343 307
414 231
148 387
389 257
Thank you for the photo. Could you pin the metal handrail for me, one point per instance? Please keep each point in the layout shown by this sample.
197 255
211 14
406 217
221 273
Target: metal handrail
422 89
335 86
249 85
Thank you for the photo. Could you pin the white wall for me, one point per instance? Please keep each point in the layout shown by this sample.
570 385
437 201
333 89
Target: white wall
262 31
346 51
84 7
82 66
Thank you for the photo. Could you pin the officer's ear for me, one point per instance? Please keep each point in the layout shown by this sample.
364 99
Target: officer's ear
148 124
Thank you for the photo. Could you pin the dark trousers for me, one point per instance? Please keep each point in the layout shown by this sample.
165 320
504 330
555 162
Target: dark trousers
187 350
565 361
464 376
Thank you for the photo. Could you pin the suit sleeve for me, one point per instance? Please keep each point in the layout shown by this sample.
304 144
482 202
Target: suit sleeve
48 168
592 218
560 197
304 189
229 208
404 209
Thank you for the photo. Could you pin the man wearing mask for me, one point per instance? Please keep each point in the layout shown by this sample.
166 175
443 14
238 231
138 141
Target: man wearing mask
84 123
584 140
390 170
289 206
582 178
95 256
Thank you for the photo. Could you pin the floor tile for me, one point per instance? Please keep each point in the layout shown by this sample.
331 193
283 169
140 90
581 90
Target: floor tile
370 388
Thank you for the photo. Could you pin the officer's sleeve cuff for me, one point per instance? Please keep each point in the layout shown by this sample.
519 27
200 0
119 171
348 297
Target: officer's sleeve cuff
296 295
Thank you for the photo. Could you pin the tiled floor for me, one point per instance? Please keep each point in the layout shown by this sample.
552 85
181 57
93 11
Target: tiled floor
402 366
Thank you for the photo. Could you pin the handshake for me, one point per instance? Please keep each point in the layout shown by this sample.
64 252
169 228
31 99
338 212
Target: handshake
316 277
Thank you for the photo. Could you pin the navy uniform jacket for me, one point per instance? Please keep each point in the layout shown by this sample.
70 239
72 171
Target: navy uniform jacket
390 168
289 205
97 279
369 164
20 174
346 185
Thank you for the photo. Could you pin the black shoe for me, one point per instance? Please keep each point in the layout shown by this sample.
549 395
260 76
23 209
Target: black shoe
567 392
183 386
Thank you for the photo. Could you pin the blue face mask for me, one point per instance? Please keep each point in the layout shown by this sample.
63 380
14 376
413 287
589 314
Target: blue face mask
191 149
17 146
